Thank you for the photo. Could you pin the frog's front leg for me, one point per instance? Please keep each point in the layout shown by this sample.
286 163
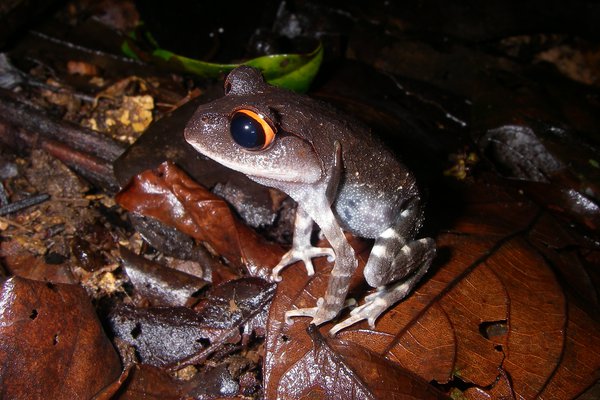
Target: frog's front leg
317 205
301 249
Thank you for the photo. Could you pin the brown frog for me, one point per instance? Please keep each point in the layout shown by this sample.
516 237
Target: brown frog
340 175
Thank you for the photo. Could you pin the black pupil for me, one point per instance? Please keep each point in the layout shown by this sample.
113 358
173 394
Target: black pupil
246 131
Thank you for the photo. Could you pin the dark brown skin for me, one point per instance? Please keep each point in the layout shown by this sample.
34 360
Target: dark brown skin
320 156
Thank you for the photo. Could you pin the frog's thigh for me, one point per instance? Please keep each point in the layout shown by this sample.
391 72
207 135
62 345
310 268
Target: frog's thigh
393 258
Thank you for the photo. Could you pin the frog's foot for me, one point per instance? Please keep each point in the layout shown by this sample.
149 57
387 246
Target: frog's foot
305 254
320 314
376 303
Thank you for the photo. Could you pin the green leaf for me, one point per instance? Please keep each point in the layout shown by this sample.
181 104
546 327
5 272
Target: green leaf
291 71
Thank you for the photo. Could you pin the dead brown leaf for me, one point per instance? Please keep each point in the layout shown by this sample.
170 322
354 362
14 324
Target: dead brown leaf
20 262
170 196
52 343
158 284
336 369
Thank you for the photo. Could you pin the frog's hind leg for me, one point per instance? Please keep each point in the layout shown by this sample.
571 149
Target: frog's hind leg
379 301
393 259
395 266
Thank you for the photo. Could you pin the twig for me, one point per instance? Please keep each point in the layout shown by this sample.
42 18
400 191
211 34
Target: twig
3 195
23 204
91 155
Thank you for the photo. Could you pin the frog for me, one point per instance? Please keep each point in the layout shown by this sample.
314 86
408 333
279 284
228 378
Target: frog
342 177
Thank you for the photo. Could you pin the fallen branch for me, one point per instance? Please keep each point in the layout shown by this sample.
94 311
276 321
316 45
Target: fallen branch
23 126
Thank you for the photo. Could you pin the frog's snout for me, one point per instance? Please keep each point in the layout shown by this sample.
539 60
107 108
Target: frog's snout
201 125
206 119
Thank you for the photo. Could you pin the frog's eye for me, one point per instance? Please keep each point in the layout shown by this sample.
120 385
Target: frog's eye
250 130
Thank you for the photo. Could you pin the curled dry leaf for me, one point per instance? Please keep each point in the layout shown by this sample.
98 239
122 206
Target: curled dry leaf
491 313
170 196
148 382
19 261
160 285
52 343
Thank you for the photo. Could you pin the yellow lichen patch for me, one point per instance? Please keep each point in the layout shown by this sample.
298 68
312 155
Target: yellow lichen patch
144 106
125 122
186 373
108 282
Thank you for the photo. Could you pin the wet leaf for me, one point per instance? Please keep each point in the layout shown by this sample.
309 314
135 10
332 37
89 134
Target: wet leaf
492 312
243 301
292 71
170 196
52 343
162 336
177 336
336 369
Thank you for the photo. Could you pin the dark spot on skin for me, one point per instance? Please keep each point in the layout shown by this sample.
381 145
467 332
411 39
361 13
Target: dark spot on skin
284 63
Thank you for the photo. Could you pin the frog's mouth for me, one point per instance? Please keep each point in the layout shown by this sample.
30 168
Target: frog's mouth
276 164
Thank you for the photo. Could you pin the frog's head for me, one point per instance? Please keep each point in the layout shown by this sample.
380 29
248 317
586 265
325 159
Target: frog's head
242 131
